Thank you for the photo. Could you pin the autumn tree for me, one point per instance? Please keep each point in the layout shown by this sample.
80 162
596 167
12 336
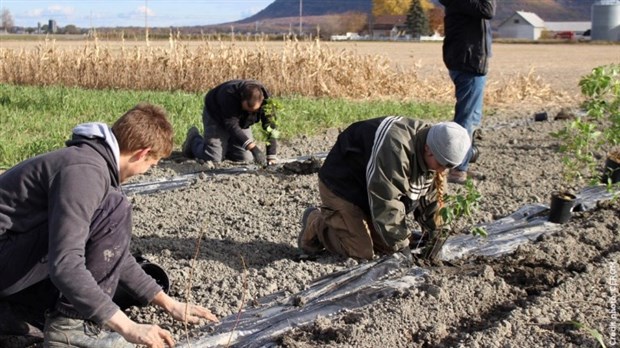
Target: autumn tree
7 20
353 21
435 19
417 21
396 7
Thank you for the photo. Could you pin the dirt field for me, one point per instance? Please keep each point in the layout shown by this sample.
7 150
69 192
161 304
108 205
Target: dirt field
525 299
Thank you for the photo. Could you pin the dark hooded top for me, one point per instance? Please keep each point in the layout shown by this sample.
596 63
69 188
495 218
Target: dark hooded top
223 103
62 189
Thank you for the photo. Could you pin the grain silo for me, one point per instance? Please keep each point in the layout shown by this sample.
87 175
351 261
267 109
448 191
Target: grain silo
606 20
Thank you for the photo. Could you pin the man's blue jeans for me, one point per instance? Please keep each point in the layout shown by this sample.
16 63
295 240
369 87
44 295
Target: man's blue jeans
469 91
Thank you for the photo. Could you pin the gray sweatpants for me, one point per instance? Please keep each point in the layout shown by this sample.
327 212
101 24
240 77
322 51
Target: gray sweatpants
217 143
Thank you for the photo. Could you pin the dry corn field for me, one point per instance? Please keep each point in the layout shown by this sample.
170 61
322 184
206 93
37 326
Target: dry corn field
412 71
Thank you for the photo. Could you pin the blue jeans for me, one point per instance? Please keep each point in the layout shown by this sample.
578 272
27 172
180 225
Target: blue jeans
469 91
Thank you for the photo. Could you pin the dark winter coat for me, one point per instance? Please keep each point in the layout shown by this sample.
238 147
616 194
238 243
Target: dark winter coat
223 103
467 42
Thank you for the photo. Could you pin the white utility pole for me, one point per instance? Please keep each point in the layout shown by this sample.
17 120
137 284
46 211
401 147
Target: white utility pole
300 16
146 20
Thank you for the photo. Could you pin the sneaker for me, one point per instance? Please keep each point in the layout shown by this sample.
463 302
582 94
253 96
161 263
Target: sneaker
457 177
61 331
308 241
474 174
187 144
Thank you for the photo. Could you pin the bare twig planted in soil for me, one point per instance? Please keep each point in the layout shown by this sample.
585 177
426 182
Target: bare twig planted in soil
188 287
245 290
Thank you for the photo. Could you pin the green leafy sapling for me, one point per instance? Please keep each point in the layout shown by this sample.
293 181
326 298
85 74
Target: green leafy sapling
599 130
456 207
272 109
590 331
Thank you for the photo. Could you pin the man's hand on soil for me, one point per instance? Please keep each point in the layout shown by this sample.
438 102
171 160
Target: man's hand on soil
191 313
272 161
148 335
259 156
151 336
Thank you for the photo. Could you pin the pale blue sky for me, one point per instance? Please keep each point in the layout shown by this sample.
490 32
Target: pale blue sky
104 13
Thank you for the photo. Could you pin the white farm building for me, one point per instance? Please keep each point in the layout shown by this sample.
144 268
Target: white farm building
522 25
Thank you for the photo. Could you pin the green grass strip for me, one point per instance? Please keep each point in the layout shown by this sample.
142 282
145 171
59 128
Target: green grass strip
34 120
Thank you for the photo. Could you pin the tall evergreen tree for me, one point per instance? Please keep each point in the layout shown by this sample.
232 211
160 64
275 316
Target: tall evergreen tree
417 21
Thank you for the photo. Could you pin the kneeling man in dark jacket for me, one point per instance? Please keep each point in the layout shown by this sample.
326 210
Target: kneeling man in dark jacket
378 171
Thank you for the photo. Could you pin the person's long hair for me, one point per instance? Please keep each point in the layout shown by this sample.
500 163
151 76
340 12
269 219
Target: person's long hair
439 181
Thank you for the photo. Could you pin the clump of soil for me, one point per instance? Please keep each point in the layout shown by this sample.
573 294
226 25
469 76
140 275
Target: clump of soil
309 166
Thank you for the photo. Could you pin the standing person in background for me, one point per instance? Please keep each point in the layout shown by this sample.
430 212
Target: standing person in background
65 229
230 109
466 52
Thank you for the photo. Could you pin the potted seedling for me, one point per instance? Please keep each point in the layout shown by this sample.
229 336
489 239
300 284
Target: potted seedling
456 208
272 109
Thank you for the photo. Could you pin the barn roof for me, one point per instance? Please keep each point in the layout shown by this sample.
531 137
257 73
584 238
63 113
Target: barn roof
530 17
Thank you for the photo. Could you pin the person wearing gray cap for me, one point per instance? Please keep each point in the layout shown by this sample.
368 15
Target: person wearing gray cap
378 171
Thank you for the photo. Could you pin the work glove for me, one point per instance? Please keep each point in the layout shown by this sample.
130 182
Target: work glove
259 156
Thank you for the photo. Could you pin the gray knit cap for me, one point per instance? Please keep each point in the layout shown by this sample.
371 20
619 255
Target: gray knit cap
449 143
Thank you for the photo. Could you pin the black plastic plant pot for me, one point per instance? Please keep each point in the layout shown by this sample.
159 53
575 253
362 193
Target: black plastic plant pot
124 299
561 207
611 172
541 116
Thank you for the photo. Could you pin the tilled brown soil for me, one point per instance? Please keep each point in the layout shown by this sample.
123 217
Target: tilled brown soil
247 225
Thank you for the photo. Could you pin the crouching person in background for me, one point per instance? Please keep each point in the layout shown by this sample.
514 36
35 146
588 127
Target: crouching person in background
65 228
378 171
230 110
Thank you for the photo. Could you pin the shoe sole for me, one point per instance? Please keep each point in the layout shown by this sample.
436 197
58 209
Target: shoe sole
187 152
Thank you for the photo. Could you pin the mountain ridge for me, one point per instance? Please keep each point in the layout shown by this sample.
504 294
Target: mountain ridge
548 10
